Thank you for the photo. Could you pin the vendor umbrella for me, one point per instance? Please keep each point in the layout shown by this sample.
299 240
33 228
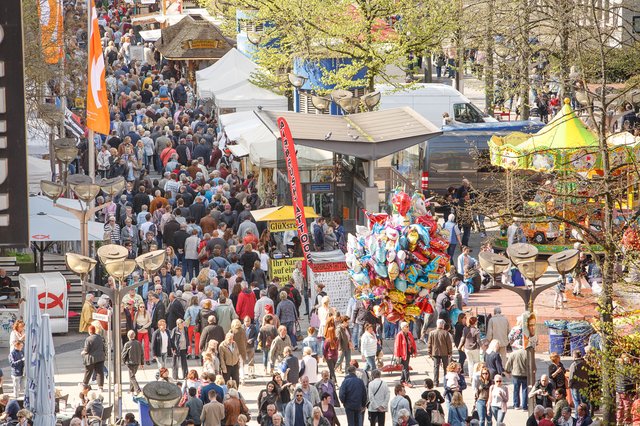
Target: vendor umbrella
44 402
32 325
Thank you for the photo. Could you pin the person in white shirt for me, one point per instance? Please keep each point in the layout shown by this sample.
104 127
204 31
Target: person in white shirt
378 396
465 261
191 254
259 310
308 366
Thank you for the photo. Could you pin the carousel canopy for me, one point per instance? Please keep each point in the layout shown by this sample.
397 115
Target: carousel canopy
562 145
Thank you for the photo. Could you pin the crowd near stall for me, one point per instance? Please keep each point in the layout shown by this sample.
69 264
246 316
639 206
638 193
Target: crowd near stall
190 269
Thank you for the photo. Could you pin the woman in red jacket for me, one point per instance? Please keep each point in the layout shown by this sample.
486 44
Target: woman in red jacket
246 303
404 348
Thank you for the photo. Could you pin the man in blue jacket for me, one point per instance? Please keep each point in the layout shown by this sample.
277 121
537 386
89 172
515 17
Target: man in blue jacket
353 395
16 358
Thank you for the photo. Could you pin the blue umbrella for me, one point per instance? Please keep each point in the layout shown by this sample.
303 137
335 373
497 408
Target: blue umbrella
44 402
32 325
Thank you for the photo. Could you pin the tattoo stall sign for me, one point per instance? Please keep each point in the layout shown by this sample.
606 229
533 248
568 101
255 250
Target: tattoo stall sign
14 217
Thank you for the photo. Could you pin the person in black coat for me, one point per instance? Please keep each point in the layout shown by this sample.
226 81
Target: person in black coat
133 357
353 395
197 210
158 311
175 311
492 359
184 154
93 356
140 199
211 332
162 344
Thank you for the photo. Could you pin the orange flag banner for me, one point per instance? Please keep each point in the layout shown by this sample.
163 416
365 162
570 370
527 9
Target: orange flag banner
97 102
51 29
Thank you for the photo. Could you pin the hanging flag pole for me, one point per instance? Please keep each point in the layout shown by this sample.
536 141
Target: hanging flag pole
97 103
90 144
291 159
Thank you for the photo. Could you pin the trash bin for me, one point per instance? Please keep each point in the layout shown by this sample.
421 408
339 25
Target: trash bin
557 341
145 417
578 342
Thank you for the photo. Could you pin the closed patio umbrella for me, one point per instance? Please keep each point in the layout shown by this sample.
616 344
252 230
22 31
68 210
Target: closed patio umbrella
32 325
44 401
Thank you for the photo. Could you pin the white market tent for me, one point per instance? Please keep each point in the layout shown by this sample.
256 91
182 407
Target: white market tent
228 83
38 169
249 132
50 223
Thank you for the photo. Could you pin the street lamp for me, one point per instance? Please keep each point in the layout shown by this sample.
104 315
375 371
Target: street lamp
111 252
320 103
521 252
493 264
65 151
162 398
52 190
114 259
564 262
338 94
86 191
349 104
296 81
254 37
370 100
151 262
533 270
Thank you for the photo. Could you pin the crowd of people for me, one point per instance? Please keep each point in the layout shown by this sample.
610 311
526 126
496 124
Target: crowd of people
212 312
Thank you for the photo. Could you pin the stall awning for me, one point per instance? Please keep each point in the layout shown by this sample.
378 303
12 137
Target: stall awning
368 136
281 213
150 35
238 150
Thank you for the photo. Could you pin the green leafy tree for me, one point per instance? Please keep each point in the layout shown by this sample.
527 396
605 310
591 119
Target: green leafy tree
378 35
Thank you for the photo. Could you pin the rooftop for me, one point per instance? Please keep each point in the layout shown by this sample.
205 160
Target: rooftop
368 135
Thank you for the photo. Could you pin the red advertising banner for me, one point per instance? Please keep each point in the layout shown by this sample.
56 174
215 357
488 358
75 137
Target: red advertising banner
293 173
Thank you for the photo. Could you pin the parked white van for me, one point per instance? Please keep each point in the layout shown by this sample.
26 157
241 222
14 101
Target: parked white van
431 100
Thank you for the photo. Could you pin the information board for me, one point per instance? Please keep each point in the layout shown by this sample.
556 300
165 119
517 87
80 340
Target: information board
337 283
283 268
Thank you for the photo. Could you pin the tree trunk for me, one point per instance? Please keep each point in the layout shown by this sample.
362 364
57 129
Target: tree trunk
489 88
564 20
525 58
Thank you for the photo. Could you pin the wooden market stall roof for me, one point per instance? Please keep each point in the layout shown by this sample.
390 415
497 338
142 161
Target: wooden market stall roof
193 38
368 135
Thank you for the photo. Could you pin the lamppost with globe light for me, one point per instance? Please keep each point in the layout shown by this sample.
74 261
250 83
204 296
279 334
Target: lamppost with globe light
524 257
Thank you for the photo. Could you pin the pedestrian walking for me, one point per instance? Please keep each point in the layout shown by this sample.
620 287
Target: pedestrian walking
353 396
16 360
378 397
162 344
133 358
93 356
439 349
403 349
